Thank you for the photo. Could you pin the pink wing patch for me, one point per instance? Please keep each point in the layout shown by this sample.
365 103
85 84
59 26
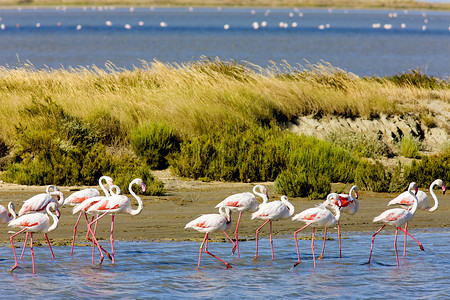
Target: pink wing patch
391 217
233 203
201 224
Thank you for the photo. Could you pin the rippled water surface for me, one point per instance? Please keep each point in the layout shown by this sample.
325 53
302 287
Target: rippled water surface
401 40
168 270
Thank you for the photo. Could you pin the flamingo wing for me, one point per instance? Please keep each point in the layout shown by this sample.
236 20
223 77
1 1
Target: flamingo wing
36 203
82 195
33 222
393 216
240 202
86 204
208 223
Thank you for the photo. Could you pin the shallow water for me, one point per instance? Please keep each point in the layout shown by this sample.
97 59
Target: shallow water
347 40
168 270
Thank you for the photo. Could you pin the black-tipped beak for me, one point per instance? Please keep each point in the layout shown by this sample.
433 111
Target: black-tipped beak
58 213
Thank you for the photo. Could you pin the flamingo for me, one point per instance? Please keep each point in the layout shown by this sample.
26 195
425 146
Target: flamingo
211 223
83 208
35 222
318 216
422 202
244 202
349 205
6 215
81 196
114 205
397 217
272 211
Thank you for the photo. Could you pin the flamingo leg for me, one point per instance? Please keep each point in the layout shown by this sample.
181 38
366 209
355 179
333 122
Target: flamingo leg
206 251
270 237
201 248
24 245
75 232
312 246
236 246
231 240
32 251
112 238
296 243
257 238
51 250
339 236
96 241
395 245
419 243
373 238
323 247
14 248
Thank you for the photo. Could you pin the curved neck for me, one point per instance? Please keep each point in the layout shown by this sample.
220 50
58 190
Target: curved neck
12 211
262 192
354 189
289 205
100 183
140 204
415 203
60 196
436 201
337 214
55 219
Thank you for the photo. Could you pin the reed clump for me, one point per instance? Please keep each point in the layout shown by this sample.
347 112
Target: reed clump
208 119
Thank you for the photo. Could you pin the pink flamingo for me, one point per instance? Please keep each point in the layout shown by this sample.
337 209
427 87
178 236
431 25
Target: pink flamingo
318 216
83 208
6 215
81 196
38 203
405 199
35 222
211 223
397 217
272 211
114 205
349 205
244 202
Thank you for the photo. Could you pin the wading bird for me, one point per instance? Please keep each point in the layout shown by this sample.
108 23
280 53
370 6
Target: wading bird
113 205
212 223
35 222
405 199
318 216
272 211
349 205
397 217
244 202
6 215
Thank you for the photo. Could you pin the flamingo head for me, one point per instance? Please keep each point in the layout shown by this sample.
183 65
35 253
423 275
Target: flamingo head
144 187
413 186
443 188
58 213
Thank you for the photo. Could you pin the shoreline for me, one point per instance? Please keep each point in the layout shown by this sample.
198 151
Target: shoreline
164 217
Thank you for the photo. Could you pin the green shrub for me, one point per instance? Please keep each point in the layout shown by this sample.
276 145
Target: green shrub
153 142
429 168
409 147
417 79
372 176
298 183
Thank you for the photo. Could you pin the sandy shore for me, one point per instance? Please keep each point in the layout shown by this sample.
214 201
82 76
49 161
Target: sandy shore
164 217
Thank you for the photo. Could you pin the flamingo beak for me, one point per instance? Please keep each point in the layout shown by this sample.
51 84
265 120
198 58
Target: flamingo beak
144 187
416 190
58 213
443 189
356 193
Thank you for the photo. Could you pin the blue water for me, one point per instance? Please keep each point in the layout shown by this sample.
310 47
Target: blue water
167 270
49 37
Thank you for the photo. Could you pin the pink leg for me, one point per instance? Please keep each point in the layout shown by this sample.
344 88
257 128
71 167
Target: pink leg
75 232
339 236
51 250
14 248
395 246
323 247
296 243
32 250
312 246
419 243
206 251
271 240
95 239
201 248
236 246
112 238
373 238
257 237
24 245
231 240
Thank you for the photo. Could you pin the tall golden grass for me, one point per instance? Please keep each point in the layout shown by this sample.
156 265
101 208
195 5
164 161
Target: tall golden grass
198 96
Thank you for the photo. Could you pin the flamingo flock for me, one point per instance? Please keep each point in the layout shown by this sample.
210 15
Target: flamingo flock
326 214
41 214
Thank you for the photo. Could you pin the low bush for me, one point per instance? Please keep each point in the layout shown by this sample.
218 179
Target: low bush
429 168
298 183
372 176
410 147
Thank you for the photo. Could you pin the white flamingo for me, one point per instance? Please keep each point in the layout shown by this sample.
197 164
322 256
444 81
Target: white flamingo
272 211
405 199
318 216
211 223
6 215
244 202
397 217
349 205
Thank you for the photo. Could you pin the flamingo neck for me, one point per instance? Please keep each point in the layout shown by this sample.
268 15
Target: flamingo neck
12 211
263 195
436 201
413 209
61 197
137 211
291 207
55 220
100 183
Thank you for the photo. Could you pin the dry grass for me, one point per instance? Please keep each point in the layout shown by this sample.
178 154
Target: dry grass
198 96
